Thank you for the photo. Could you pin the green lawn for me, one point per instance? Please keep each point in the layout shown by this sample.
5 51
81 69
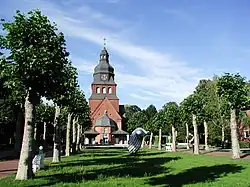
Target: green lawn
114 167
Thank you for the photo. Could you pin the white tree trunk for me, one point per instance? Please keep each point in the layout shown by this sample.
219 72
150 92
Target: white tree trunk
68 130
223 135
234 136
25 161
44 130
35 131
206 135
19 126
79 134
143 142
150 140
57 141
159 145
74 135
196 136
173 139
187 135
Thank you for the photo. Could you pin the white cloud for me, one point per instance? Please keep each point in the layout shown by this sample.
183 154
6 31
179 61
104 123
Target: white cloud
146 98
158 73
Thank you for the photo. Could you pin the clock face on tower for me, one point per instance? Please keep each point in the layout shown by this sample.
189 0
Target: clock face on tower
104 77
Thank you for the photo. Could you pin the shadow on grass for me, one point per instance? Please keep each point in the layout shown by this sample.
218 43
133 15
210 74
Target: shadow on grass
131 167
109 158
196 175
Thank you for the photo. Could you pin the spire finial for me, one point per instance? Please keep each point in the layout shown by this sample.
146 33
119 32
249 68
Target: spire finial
104 42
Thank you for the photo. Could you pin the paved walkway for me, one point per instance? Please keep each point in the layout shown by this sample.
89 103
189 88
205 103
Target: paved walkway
8 167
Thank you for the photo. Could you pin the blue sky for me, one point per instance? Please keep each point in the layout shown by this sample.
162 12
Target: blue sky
160 49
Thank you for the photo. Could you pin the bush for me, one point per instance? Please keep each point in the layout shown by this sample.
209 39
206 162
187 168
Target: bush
244 144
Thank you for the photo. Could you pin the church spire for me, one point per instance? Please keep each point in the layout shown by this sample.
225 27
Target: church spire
104 42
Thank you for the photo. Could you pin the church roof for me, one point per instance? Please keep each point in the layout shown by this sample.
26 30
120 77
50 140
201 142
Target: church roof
110 106
91 131
104 66
120 132
105 121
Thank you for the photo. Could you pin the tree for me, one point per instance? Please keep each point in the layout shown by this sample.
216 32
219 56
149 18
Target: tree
185 119
79 108
13 95
192 105
44 117
38 60
234 89
139 119
150 111
206 90
61 97
172 119
130 110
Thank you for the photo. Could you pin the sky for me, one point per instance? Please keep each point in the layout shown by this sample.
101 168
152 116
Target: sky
159 49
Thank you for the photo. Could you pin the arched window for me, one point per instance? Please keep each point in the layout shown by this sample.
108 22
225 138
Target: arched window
98 90
104 90
110 90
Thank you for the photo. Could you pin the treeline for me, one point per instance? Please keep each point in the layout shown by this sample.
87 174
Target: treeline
215 112
34 67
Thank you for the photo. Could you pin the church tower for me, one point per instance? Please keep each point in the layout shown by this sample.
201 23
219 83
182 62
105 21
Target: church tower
103 102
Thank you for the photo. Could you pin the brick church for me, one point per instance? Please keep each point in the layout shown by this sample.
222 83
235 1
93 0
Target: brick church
106 113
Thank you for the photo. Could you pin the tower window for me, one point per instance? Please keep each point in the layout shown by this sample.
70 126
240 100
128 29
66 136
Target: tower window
110 90
98 90
104 90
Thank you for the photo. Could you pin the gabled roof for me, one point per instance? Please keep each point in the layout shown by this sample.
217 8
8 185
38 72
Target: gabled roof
120 132
91 131
105 121
110 106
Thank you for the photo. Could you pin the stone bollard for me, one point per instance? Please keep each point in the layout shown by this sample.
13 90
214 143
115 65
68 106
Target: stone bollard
42 157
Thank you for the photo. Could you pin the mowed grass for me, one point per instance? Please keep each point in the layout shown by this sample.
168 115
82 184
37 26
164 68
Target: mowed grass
114 167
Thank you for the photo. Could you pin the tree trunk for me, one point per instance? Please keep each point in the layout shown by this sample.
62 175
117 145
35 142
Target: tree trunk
79 134
173 139
196 136
44 130
159 145
143 142
74 135
187 135
150 140
19 130
206 135
67 151
57 141
223 136
35 132
25 161
234 137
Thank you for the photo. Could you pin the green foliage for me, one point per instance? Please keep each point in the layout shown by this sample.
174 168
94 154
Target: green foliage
79 107
38 56
151 111
44 113
244 144
130 110
159 122
185 116
234 89
139 119
171 114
